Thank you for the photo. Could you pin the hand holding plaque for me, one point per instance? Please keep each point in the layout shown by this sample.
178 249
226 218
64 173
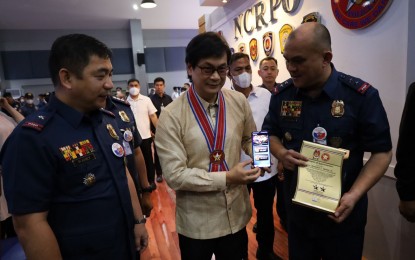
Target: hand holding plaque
319 183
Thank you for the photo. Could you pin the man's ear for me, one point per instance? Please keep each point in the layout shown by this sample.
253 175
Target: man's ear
328 56
189 69
65 78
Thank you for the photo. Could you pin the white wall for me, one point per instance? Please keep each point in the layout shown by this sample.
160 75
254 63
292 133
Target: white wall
381 54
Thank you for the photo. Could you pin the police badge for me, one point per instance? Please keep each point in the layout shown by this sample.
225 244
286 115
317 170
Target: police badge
337 108
253 49
268 43
286 29
241 47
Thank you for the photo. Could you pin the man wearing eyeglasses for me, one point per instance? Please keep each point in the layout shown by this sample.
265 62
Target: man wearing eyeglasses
198 140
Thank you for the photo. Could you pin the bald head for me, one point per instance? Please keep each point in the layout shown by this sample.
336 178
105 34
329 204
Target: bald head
314 34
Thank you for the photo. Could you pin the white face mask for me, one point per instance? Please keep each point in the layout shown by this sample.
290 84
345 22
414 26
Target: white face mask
134 91
243 80
29 101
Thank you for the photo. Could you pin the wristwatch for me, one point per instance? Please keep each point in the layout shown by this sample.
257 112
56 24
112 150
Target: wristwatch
140 221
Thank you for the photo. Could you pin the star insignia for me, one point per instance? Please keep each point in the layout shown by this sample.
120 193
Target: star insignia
41 117
217 157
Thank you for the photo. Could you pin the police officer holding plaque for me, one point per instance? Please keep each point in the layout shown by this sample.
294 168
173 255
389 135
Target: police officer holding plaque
326 107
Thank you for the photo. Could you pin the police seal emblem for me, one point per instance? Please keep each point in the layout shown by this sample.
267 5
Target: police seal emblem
285 30
312 17
89 179
358 14
268 43
253 49
124 116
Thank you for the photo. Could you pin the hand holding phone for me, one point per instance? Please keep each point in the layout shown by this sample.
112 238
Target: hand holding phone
260 149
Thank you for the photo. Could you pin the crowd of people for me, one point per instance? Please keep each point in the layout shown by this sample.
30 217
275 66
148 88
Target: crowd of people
92 159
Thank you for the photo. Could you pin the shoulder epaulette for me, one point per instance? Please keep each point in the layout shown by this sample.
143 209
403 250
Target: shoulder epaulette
38 120
283 86
107 112
120 101
355 83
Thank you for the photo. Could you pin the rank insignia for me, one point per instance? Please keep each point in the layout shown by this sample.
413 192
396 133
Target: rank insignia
124 116
217 156
253 49
268 43
112 132
241 47
285 30
291 108
117 149
337 108
89 179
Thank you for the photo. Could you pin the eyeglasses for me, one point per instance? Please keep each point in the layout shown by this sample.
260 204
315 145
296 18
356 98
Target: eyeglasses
208 71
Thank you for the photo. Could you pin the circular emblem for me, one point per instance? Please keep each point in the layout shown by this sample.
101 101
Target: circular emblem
217 156
253 49
325 157
319 135
128 135
357 14
117 149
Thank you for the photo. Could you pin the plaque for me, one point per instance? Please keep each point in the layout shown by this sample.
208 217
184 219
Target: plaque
319 183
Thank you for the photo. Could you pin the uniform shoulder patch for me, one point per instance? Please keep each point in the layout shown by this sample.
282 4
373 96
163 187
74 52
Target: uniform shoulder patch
107 112
357 84
37 121
120 101
283 86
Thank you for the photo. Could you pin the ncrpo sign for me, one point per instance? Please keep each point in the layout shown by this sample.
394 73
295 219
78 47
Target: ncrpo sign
244 21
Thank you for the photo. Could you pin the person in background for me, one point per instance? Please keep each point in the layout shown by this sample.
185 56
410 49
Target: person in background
240 73
7 124
404 169
197 149
119 94
330 108
185 87
160 100
144 112
268 71
74 198
28 107
176 93
42 101
13 103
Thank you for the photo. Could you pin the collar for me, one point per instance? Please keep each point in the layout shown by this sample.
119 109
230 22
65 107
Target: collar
129 98
72 116
206 104
330 87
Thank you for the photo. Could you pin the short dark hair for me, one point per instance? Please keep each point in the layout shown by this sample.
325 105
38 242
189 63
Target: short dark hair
73 52
236 56
132 80
158 79
267 59
7 95
206 45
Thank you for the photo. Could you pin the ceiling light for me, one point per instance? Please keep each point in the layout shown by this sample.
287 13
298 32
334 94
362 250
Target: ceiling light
135 6
148 4
224 1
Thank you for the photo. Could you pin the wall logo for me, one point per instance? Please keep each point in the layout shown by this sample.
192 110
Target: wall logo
268 43
253 49
357 14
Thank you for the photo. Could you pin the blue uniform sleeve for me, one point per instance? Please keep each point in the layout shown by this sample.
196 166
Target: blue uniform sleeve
271 119
28 170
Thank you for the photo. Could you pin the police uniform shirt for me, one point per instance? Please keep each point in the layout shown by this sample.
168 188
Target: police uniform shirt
62 161
130 136
28 109
362 126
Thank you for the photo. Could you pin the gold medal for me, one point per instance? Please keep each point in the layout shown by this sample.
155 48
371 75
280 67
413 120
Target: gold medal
112 132
124 116
337 108
217 156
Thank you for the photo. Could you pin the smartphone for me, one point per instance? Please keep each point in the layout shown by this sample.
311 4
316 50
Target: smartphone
260 149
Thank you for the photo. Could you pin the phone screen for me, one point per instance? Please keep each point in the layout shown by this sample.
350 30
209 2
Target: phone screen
260 149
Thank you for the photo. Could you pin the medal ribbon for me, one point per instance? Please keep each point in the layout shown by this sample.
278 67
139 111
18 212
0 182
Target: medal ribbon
215 140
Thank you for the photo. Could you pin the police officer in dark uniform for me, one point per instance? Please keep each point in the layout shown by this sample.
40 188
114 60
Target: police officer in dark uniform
72 198
132 141
28 107
13 103
319 104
